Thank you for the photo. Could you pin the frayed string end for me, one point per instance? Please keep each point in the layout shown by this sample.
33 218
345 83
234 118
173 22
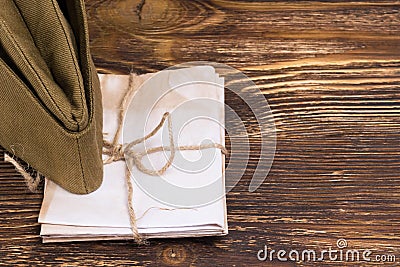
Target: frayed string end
31 182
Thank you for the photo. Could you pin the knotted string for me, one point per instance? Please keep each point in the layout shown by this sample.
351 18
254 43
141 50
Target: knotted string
117 152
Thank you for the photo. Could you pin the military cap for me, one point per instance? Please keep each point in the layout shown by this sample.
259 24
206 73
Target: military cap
50 99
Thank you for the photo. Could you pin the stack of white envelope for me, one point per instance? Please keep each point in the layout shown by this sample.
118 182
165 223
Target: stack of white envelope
188 200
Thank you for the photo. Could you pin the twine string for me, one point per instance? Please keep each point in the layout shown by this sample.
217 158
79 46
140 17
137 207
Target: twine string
125 152
31 182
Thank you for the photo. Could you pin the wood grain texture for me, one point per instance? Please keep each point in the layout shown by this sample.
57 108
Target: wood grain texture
330 71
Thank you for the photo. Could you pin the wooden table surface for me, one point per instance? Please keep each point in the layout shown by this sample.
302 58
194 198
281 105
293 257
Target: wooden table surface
330 71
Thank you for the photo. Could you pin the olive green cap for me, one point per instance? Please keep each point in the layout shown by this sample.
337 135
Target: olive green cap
50 99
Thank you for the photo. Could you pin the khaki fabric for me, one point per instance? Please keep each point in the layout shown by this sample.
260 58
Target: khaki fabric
50 100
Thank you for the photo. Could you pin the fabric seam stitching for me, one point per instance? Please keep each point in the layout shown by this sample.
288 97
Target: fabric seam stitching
11 38
80 82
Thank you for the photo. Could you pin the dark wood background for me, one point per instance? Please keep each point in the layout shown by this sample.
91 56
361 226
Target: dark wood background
330 71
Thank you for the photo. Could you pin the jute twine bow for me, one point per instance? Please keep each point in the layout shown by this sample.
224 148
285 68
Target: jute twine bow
125 152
